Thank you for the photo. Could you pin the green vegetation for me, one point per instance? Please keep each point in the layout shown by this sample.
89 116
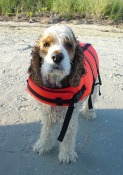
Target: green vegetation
106 9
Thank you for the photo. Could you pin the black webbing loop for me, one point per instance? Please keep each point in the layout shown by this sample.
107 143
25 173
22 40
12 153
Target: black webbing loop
99 78
59 101
69 113
66 122
99 91
79 94
85 47
90 105
92 89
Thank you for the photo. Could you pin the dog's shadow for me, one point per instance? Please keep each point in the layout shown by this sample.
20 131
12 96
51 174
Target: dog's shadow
99 145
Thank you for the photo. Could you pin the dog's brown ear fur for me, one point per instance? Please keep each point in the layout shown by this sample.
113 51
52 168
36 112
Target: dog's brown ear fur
77 69
35 66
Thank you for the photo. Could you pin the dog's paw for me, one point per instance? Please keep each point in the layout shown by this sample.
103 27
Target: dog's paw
67 157
40 148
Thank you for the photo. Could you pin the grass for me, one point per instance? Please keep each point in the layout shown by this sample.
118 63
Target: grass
106 9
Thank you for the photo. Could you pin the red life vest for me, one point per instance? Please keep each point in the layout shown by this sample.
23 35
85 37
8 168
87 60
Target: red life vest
70 95
63 96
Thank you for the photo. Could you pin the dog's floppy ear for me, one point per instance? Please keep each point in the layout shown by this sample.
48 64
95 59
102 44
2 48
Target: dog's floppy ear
35 66
77 67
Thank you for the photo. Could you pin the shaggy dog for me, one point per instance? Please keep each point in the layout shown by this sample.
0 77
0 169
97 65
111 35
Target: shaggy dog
58 62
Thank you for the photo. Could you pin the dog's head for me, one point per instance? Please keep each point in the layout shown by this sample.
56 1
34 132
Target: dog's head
57 59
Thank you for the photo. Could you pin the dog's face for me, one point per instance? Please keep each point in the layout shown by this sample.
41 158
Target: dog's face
57 49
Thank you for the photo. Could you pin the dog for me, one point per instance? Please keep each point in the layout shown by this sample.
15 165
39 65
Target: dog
58 62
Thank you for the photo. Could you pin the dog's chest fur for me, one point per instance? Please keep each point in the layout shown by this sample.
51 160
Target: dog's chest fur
55 113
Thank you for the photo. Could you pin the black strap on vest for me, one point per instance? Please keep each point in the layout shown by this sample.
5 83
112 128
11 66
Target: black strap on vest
99 78
90 105
86 47
57 101
69 113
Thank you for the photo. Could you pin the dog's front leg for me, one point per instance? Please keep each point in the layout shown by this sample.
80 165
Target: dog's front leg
67 152
46 141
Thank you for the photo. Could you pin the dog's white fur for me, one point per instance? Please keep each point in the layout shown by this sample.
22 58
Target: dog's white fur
59 33
50 115
55 75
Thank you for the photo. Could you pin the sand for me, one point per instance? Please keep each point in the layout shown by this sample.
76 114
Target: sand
99 142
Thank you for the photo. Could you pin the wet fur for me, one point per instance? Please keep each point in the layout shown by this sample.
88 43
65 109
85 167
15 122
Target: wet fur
50 115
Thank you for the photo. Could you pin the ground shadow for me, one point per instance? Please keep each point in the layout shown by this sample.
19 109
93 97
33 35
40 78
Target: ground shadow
99 146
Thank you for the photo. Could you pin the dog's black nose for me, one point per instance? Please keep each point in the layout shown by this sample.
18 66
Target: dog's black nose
57 58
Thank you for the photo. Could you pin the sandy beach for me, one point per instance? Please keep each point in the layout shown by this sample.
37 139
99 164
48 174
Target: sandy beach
99 143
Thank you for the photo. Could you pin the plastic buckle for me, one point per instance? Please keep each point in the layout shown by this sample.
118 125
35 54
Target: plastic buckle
59 101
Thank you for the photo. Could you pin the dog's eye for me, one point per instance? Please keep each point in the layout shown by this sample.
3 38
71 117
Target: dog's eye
68 45
46 44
